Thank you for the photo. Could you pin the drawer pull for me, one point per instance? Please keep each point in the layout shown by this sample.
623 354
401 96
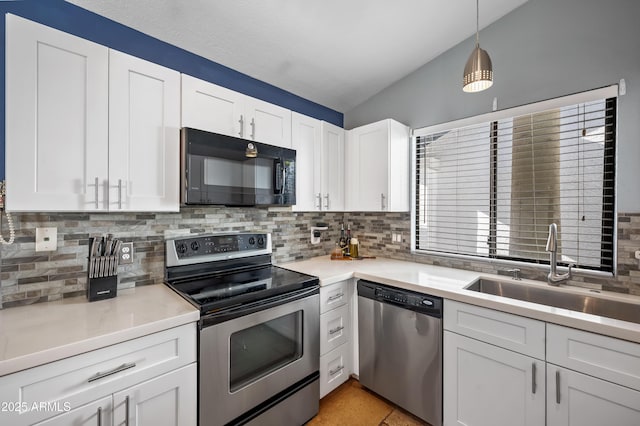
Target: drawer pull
336 371
336 330
118 369
335 297
533 378
557 387
99 416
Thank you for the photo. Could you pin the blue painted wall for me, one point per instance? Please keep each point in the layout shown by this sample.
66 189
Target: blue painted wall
75 20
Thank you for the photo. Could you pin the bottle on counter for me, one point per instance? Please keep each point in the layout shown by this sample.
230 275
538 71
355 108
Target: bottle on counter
348 252
342 242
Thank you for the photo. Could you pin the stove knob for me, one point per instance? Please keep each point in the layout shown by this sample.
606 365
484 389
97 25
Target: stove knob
195 246
252 240
182 248
260 241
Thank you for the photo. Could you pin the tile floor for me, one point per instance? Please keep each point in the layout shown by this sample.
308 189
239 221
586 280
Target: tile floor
352 405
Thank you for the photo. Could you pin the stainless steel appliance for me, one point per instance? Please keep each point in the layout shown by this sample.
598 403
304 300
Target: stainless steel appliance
400 344
220 169
259 339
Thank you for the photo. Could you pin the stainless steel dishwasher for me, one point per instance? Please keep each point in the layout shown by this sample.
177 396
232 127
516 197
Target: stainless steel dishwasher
400 345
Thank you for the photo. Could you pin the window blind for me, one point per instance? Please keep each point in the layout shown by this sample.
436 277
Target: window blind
491 189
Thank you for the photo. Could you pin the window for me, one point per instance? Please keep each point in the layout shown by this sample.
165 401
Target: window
490 186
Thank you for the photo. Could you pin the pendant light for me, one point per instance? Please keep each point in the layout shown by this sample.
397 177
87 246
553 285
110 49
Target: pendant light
478 72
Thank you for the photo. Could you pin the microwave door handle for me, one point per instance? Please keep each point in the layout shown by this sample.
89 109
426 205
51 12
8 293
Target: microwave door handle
278 177
284 179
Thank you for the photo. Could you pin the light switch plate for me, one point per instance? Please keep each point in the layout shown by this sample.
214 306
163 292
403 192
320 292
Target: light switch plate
46 239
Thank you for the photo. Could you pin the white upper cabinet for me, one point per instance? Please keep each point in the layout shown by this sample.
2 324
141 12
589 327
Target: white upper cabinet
320 164
144 135
56 119
377 167
207 106
268 123
88 129
306 140
332 161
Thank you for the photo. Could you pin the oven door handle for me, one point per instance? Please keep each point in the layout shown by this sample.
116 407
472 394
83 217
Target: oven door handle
245 309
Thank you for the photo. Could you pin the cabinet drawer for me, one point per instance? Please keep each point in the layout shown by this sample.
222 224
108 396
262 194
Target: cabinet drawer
83 378
335 329
605 357
334 295
513 332
334 369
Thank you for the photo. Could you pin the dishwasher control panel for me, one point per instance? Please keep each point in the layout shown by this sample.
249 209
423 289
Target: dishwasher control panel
431 305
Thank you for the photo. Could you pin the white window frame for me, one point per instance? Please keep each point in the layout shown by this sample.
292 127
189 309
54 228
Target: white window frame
589 96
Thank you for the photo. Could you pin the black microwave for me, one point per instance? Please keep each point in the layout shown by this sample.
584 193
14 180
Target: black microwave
224 170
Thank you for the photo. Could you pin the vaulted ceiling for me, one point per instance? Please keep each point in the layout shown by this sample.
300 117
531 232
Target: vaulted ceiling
337 53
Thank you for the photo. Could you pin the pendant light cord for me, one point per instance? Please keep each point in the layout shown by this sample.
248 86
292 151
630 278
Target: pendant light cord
477 22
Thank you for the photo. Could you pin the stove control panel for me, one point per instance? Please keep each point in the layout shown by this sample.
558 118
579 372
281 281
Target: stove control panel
211 247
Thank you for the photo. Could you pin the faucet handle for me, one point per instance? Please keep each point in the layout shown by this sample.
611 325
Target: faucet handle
515 273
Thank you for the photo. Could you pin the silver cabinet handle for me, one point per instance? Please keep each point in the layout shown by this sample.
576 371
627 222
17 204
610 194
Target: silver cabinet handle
97 193
326 201
118 369
99 416
382 201
557 387
319 205
336 330
120 194
336 371
126 410
335 297
253 129
241 121
533 378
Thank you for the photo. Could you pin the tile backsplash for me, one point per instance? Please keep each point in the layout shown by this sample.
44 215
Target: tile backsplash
27 276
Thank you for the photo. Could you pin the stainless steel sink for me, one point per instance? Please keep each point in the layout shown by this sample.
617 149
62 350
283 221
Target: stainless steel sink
616 309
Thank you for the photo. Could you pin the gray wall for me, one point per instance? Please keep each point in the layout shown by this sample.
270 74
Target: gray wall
542 50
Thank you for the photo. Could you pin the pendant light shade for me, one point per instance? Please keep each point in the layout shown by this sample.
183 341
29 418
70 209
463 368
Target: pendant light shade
478 72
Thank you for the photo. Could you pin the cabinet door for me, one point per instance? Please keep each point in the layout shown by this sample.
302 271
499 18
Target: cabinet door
367 168
575 399
267 123
144 139
332 160
170 399
489 386
213 108
95 413
306 140
56 119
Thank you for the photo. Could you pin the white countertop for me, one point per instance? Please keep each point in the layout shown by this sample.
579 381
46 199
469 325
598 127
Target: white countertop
45 332
449 283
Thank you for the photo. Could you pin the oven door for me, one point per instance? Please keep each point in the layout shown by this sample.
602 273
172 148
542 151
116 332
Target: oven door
246 360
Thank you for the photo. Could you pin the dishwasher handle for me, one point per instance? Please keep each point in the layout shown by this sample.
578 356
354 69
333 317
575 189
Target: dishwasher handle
405 299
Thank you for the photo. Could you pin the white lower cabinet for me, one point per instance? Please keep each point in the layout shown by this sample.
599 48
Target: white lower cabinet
152 378
336 332
170 399
576 399
489 386
492 378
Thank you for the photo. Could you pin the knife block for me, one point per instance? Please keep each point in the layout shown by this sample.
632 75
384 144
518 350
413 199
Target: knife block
102 288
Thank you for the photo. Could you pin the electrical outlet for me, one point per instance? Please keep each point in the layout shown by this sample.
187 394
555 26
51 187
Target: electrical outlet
126 253
46 239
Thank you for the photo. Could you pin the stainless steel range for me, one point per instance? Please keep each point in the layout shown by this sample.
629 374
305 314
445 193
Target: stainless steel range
259 342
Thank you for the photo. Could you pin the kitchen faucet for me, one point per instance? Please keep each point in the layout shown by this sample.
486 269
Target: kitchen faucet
552 247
